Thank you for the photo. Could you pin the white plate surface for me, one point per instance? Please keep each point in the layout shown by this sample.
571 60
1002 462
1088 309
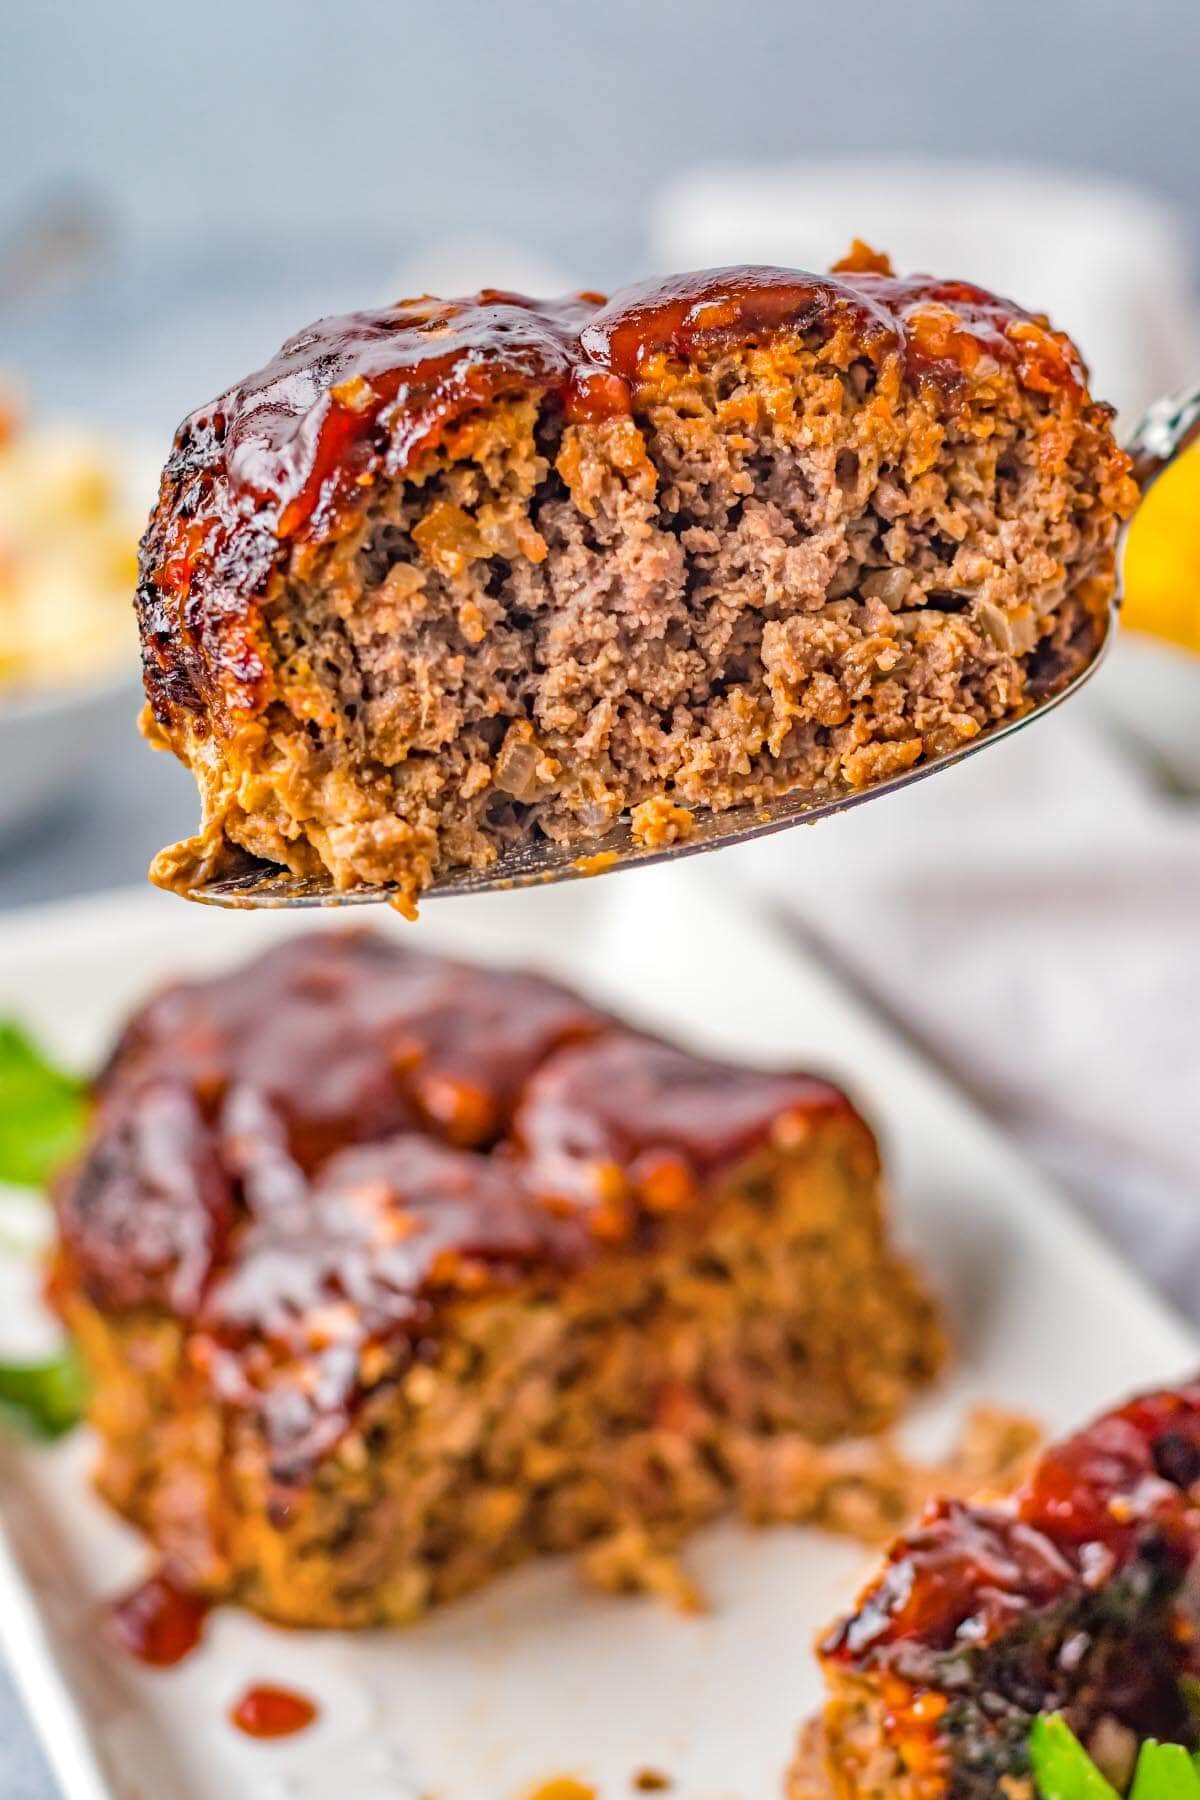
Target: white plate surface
536 1677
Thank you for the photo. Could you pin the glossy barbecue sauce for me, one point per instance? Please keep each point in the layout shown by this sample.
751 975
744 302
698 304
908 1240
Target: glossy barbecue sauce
272 1712
226 1097
304 425
632 1114
1128 1482
381 1133
159 1622
352 400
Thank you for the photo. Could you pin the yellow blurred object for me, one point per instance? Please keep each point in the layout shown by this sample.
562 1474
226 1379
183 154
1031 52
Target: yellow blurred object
68 558
1162 557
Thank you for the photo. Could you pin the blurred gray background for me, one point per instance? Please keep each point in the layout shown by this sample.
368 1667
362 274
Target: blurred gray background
352 133
552 118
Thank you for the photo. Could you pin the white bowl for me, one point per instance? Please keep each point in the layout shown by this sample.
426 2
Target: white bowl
50 736
1151 691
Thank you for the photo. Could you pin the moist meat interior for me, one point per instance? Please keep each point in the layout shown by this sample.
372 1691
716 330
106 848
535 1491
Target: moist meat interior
780 573
619 1409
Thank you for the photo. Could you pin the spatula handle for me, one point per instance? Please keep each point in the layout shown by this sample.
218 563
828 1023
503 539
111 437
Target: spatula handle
1165 432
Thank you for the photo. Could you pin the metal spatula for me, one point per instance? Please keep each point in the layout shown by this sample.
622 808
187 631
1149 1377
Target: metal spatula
1167 429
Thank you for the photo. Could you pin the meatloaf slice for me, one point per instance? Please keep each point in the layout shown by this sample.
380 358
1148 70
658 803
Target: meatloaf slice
454 573
1076 1597
342 1376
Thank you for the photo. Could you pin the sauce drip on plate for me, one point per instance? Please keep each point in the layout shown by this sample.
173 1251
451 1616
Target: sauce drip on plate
272 1712
159 1622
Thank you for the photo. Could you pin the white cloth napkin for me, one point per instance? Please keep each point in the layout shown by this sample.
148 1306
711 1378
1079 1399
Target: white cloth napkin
1031 918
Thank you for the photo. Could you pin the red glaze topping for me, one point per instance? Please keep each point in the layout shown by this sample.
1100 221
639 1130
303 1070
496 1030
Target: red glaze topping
338 1283
942 331
355 399
151 1206
269 1161
299 431
272 1712
223 1096
629 1113
346 1036
158 1622
381 1231
967 1573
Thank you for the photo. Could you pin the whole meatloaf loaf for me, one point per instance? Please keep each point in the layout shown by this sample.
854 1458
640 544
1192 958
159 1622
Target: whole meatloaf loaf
1076 1597
455 573
390 1272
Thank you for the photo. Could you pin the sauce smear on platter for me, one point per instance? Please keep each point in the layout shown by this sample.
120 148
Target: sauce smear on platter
272 1712
159 1622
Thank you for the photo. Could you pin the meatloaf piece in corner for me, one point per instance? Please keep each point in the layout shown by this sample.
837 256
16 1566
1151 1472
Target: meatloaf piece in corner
391 1273
1077 1596
453 573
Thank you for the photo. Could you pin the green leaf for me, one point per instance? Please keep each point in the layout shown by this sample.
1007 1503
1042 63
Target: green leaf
44 1399
1165 1772
1062 1768
42 1111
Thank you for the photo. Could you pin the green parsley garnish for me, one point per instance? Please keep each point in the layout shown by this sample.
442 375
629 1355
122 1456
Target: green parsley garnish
42 1111
44 1399
1063 1770
42 1117
1165 1772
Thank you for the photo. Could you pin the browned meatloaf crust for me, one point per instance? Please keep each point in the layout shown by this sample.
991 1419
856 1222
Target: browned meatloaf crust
456 572
391 1272
1076 1596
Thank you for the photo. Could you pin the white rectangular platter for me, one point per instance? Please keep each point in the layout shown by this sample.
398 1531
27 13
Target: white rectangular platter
536 1677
